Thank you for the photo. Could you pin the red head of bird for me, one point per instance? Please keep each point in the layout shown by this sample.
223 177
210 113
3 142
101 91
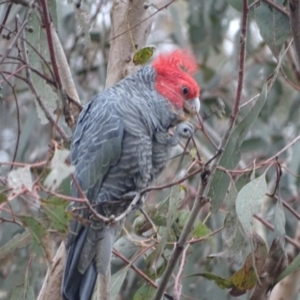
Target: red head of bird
174 79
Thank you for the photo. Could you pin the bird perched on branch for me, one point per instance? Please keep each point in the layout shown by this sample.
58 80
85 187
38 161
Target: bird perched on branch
120 144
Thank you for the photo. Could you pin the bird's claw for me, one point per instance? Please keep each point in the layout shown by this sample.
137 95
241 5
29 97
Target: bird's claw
129 196
185 130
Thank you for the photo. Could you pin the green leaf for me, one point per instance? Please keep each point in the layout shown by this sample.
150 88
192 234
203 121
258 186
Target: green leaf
237 4
245 278
126 247
231 221
143 55
116 282
279 221
176 195
20 240
249 201
53 11
3 198
293 166
254 144
34 226
292 267
242 180
22 292
231 155
273 24
145 292
232 238
237 246
200 231
38 231
57 214
37 39
222 283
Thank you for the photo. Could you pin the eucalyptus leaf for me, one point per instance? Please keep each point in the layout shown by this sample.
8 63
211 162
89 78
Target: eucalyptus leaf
145 292
279 221
292 267
46 94
20 240
116 282
249 201
273 24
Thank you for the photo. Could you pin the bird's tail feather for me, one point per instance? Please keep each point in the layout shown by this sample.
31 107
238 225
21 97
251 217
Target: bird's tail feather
75 285
80 285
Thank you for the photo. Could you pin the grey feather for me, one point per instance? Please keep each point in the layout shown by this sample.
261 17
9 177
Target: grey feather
120 144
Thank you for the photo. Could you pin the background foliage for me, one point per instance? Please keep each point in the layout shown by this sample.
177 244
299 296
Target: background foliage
257 173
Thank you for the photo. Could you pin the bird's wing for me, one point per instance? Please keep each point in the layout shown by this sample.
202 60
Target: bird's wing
96 146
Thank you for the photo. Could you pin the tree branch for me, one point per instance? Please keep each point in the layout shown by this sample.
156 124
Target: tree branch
123 15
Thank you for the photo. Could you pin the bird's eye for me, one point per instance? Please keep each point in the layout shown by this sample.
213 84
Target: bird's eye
185 90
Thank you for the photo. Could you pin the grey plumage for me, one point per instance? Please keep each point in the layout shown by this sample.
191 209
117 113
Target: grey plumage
120 144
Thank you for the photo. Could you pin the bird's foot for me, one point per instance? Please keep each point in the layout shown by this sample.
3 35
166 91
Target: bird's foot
185 130
131 195
147 217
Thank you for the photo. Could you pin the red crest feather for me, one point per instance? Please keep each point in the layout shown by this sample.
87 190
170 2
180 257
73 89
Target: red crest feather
181 60
174 76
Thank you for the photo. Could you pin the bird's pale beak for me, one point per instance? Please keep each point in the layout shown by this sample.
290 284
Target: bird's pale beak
192 106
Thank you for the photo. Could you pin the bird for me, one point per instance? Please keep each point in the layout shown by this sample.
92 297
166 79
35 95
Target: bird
121 143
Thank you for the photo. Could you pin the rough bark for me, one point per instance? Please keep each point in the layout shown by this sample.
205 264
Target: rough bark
52 281
129 33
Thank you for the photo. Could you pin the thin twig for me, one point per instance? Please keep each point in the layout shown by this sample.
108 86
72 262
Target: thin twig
61 94
249 101
279 7
11 46
177 284
137 270
287 206
253 4
133 267
47 24
136 25
283 149
295 26
242 55
202 128
48 80
288 80
5 17
267 224
18 120
161 187
40 102
193 241
88 204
